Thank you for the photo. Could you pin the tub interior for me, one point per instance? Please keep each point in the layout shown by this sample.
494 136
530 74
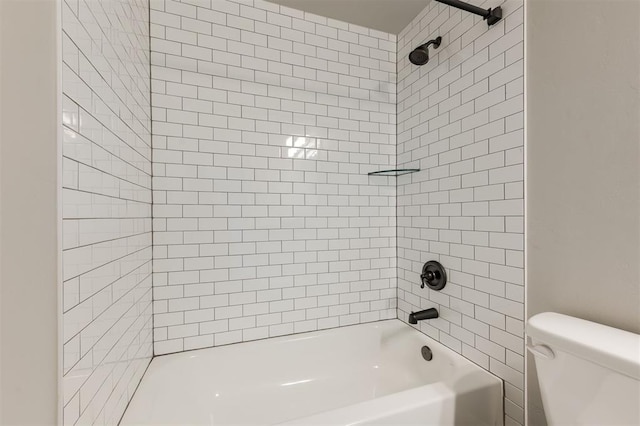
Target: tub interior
276 380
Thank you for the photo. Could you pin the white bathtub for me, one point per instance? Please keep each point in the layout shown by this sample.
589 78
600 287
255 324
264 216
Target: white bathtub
369 374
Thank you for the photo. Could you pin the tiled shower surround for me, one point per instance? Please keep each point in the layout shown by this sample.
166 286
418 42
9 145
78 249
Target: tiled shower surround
266 121
460 120
106 196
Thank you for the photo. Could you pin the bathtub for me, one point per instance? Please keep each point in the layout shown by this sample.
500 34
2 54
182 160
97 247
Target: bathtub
368 374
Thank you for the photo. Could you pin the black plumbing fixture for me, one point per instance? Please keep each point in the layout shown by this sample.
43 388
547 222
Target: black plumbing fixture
430 313
420 55
492 16
427 353
433 275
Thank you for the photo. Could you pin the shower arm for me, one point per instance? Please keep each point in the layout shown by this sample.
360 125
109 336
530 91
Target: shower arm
436 42
492 16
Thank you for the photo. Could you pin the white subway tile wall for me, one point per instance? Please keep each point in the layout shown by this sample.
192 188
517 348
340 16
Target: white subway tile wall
461 120
266 121
106 197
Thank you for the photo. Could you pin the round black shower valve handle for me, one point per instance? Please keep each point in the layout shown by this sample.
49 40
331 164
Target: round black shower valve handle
428 277
433 275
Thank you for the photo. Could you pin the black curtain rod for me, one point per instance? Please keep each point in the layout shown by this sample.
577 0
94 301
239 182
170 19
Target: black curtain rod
492 16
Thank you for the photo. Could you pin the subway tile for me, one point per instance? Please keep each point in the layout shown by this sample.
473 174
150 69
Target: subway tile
261 235
491 140
244 105
108 121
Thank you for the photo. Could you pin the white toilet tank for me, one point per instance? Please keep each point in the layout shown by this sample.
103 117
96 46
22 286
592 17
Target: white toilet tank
589 373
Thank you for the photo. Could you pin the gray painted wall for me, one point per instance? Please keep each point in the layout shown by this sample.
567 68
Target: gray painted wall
390 16
583 180
29 212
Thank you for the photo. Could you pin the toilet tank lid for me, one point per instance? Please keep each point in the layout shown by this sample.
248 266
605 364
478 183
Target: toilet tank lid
610 347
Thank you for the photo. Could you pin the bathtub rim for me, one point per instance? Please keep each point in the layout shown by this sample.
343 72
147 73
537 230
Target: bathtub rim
468 366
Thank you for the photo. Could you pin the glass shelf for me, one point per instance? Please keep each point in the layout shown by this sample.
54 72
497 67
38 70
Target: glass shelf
393 172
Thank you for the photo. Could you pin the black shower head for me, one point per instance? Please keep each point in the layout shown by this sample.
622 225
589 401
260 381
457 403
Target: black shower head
420 55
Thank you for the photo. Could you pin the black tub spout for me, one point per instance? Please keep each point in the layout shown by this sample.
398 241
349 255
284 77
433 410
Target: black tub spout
430 313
